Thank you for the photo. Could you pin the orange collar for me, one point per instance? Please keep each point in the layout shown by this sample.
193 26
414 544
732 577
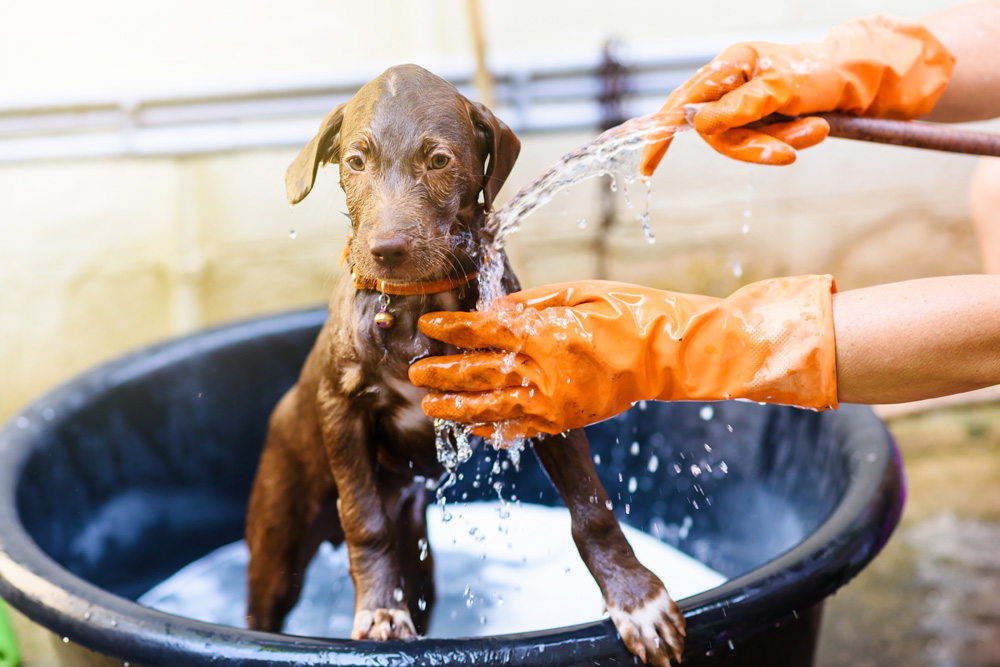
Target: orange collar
409 289
404 289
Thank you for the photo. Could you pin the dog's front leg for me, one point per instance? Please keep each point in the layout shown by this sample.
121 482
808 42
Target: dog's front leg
648 620
380 610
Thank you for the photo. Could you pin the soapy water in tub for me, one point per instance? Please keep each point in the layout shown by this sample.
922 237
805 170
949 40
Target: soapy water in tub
496 572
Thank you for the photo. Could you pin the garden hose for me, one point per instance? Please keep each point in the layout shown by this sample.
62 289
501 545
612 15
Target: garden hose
9 656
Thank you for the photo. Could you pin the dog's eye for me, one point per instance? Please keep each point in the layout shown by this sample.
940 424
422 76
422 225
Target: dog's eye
356 163
439 161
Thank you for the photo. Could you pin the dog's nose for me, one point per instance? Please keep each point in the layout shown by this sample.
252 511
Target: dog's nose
390 250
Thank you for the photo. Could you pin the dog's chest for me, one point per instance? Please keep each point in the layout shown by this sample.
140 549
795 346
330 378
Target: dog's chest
385 356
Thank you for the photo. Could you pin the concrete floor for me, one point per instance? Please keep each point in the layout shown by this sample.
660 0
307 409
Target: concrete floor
932 598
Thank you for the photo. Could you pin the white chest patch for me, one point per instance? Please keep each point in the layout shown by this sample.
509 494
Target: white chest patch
409 416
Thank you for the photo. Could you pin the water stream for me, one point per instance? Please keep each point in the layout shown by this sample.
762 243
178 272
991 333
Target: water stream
614 153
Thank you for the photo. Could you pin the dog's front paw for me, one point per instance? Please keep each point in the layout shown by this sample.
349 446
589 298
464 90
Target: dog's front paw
383 624
653 630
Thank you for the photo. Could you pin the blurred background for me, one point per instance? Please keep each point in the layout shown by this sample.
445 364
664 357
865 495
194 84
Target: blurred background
143 149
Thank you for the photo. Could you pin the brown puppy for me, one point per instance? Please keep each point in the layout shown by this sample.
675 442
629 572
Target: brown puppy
346 442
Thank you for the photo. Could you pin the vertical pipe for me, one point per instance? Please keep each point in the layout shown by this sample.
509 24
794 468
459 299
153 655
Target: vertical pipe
483 79
613 77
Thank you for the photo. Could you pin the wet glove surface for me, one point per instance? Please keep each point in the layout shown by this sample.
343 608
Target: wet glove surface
879 67
563 356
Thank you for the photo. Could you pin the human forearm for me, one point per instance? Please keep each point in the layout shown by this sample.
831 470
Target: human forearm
971 33
917 339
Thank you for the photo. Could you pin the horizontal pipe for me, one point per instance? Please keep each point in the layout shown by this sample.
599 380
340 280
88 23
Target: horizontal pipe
558 96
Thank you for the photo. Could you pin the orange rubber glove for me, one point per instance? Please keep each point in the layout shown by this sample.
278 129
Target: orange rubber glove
563 356
878 67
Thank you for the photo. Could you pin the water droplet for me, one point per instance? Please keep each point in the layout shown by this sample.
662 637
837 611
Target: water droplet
628 508
634 449
647 228
747 212
685 528
581 223
706 413
695 470
422 544
729 427
708 447
724 468
482 619
397 595
421 604
732 647
292 234
65 640
653 463
737 270
633 484
745 228
597 459
48 414
609 505
22 422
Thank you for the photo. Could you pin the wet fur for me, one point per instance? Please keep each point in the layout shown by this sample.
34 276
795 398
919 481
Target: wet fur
347 445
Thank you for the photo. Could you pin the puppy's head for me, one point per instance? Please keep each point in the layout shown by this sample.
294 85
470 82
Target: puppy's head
420 164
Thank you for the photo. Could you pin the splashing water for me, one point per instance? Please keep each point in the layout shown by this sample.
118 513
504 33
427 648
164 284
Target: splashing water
453 447
615 153
453 442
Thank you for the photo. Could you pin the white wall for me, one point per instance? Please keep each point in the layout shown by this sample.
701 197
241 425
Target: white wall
56 48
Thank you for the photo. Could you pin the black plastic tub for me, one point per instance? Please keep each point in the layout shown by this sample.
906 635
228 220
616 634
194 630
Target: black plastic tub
117 479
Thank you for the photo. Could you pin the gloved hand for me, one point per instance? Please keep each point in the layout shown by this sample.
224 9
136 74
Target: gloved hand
878 67
563 356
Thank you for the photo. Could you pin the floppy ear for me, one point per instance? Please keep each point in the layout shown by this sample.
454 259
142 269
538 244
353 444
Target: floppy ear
500 144
323 148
